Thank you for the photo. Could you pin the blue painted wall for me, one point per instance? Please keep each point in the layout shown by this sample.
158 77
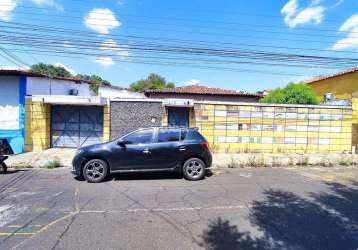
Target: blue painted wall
16 138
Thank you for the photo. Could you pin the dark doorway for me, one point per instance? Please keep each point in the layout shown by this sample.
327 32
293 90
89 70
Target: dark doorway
178 116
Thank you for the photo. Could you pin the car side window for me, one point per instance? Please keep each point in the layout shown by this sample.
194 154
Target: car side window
168 135
139 137
183 133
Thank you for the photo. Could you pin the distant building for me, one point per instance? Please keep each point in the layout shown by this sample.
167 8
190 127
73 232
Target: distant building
113 92
39 112
203 93
342 85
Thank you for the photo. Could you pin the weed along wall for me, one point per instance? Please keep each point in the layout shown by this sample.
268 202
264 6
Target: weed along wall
245 127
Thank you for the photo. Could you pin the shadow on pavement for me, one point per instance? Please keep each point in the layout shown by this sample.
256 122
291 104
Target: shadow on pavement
288 221
161 175
146 176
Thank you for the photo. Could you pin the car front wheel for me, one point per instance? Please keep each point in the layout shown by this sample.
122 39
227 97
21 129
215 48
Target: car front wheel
194 169
95 170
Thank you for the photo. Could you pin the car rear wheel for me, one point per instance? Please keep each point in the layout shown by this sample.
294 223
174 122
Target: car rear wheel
194 169
95 170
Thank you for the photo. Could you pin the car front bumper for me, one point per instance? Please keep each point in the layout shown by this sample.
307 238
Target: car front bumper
77 163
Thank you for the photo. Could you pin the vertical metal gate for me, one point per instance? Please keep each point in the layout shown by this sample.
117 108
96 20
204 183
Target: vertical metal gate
178 116
76 126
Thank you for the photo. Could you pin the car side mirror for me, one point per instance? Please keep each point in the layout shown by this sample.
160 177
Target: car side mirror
122 144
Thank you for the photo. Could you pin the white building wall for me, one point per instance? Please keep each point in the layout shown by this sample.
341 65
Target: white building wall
9 102
113 93
46 86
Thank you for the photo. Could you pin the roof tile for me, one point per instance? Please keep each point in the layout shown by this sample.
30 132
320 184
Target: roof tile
202 90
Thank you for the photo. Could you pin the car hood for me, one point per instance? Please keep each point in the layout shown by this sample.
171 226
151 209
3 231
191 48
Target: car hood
95 146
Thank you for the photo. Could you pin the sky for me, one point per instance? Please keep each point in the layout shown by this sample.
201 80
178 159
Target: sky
115 30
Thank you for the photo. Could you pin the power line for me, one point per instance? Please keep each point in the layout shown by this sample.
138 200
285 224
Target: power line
74 32
171 25
191 65
319 61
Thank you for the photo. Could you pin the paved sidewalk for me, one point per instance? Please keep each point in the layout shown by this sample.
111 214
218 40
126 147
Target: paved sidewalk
38 159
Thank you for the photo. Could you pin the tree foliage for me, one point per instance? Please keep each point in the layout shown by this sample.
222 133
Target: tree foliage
292 94
153 81
58 71
95 80
50 70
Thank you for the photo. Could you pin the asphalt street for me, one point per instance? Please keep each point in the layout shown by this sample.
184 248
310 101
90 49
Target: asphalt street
262 208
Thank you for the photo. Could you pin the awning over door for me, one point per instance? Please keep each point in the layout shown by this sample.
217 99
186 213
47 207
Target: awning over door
76 126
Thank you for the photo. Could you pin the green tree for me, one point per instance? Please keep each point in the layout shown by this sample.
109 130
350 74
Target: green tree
292 94
95 81
153 81
50 70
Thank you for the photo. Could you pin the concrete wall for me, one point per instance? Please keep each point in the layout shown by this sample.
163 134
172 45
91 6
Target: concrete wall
127 116
111 93
275 128
9 102
106 123
222 98
38 124
12 96
341 86
46 86
355 121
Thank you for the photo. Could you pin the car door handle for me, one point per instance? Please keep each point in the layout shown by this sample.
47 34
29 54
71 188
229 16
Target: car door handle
146 151
182 148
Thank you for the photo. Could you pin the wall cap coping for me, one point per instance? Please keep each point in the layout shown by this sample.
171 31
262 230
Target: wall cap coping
241 104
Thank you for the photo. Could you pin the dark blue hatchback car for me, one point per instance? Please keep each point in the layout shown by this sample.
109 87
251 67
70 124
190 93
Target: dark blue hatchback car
149 149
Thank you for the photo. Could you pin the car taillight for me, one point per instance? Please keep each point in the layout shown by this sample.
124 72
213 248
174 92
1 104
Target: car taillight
206 145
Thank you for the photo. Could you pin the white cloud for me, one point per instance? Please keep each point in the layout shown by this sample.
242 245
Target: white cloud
105 61
6 8
192 82
289 10
101 21
119 50
351 40
293 15
350 23
58 64
339 2
119 2
48 3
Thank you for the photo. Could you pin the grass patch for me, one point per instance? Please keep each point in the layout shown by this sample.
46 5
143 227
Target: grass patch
302 160
52 164
345 160
233 163
256 161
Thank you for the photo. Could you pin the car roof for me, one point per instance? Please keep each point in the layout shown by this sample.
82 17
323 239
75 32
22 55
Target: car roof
167 127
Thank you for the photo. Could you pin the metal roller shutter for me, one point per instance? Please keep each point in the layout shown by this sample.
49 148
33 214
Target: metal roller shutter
76 126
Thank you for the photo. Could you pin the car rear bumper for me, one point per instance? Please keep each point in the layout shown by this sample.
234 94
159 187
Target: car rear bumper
208 159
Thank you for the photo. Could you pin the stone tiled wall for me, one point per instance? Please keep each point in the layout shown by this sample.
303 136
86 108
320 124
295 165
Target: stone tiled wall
128 116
